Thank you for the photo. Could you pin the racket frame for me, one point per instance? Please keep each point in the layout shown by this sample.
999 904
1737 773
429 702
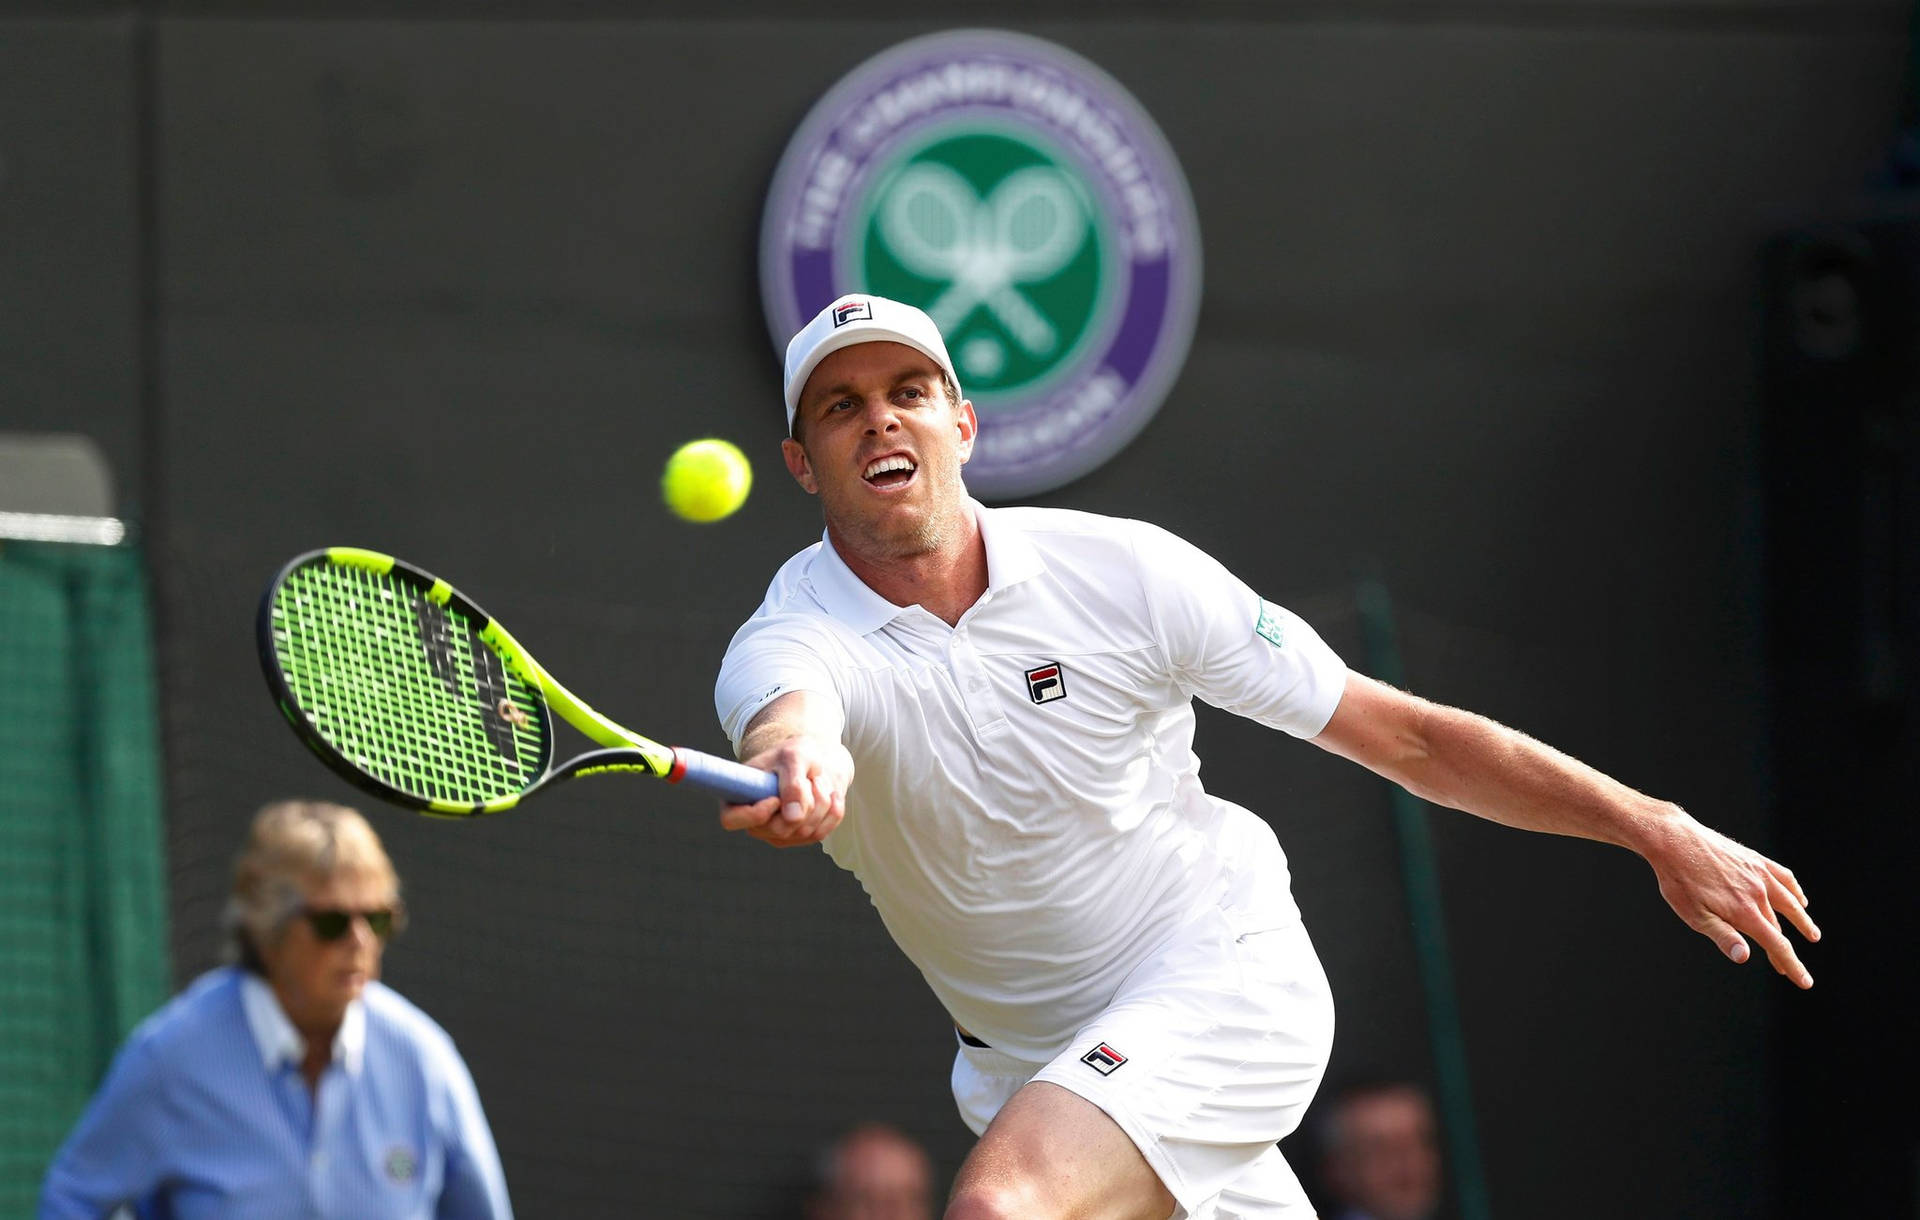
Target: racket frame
624 751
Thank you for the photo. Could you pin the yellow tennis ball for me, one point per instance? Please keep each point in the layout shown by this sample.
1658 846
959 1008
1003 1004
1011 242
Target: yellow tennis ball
706 480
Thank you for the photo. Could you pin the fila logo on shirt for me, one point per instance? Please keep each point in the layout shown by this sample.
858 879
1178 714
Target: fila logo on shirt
1048 682
1103 1059
851 311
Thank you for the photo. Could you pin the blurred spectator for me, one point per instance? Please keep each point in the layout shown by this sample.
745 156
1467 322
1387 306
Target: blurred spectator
293 1083
1380 1153
873 1172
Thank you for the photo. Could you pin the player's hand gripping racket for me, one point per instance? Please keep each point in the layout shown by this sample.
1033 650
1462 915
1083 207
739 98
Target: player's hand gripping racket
417 695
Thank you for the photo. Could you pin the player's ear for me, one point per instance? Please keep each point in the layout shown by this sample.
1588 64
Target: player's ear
798 466
969 425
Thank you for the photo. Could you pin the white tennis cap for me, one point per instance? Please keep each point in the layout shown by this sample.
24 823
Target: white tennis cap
858 318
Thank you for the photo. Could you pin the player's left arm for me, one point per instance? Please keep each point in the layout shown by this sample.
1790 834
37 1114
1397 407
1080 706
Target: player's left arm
1468 762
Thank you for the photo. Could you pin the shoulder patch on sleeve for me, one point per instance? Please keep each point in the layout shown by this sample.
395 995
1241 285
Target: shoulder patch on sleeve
1268 627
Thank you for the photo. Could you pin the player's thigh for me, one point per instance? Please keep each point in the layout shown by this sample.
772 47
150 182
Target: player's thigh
1211 1052
1051 1152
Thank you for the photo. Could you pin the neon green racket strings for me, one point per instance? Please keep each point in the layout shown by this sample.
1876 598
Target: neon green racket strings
404 688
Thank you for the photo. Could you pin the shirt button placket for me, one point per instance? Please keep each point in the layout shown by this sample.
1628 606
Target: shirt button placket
976 691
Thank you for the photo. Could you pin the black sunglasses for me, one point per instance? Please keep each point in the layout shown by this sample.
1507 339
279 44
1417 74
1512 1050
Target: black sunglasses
332 923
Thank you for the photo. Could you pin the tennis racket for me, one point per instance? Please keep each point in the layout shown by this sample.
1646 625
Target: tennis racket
418 696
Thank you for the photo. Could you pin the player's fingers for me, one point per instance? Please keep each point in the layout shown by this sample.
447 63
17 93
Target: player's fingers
780 832
820 805
1789 903
814 826
1785 877
834 808
747 817
1779 951
1722 933
776 834
796 791
783 829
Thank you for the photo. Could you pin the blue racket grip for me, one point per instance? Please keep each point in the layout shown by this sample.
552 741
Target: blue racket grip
741 785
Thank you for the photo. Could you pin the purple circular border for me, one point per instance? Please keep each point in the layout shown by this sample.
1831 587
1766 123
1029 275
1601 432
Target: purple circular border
1149 345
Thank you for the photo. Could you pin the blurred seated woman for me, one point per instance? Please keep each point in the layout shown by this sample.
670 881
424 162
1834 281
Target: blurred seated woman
294 1083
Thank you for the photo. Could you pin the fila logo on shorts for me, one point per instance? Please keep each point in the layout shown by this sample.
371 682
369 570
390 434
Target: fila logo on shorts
1103 1059
852 311
1045 683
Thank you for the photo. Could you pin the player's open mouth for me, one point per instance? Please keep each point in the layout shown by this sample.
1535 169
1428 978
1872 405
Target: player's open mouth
894 470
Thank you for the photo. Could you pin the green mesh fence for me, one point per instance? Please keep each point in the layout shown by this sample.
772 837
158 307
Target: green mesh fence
83 931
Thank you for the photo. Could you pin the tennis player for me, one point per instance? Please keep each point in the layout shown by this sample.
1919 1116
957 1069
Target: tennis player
986 715
293 1084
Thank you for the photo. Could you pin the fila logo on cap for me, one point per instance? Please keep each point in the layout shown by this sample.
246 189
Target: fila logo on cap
1103 1059
852 311
1046 683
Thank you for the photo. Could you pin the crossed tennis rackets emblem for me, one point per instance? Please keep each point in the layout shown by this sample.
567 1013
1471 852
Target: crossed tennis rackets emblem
1026 230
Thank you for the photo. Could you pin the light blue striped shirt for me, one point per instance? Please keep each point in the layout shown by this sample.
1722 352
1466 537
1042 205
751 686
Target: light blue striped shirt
204 1114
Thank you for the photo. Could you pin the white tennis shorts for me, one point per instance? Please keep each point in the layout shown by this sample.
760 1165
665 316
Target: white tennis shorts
1207 1056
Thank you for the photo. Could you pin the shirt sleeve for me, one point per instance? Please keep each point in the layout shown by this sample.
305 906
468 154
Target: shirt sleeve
476 1186
1231 647
112 1156
769 657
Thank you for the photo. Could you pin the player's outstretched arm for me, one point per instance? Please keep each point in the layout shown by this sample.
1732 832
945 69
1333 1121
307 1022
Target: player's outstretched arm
1722 889
797 737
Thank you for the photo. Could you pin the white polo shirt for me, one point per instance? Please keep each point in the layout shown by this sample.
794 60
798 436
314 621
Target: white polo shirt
1026 811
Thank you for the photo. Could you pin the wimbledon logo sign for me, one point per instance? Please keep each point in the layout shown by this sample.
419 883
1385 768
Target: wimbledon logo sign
1023 199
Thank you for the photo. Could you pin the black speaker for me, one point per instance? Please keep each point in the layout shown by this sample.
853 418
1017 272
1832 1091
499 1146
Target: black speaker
1840 391
1842 337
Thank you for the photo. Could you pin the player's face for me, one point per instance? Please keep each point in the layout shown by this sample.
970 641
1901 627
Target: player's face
882 447
315 978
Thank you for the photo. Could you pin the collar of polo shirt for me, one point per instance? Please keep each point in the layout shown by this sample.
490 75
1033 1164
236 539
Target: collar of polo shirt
1011 558
279 1042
